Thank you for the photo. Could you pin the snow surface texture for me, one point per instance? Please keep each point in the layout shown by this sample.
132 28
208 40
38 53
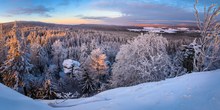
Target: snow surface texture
12 100
197 91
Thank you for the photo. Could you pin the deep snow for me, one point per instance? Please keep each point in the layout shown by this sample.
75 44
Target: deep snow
12 100
196 91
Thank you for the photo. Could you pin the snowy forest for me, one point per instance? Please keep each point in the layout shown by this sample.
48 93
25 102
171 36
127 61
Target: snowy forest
44 62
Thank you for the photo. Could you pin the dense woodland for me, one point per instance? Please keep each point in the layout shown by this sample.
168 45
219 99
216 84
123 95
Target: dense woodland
43 62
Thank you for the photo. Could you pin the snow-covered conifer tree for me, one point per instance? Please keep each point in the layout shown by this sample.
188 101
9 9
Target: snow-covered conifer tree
2 46
88 83
39 57
83 53
97 61
59 53
93 45
97 67
18 61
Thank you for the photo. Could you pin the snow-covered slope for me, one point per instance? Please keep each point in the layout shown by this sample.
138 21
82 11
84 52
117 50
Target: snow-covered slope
197 91
12 100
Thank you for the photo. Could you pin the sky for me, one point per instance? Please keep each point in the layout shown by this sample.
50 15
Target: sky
111 12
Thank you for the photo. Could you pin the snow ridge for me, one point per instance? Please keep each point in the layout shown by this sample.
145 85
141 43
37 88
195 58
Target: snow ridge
196 91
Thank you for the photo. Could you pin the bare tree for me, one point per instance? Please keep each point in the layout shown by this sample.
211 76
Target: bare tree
209 43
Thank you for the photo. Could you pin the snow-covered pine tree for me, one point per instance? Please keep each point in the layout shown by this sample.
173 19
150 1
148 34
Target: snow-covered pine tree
2 45
17 62
88 83
96 65
25 52
39 57
182 61
97 61
110 49
93 45
59 53
83 53
73 53
47 86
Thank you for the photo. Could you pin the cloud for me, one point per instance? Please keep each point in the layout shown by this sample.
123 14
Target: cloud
92 17
95 18
39 10
143 12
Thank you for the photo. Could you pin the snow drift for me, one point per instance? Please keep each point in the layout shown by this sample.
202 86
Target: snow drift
196 91
12 100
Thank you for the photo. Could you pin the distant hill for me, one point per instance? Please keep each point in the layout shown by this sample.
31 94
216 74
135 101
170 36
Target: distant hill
23 24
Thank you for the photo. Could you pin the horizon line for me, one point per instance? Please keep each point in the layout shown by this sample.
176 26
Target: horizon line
138 24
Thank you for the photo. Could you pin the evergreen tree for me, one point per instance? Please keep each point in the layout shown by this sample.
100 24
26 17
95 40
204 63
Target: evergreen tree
96 64
39 57
83 53
97 61
17 63
47 87
2 49
93 45
88 84
59 53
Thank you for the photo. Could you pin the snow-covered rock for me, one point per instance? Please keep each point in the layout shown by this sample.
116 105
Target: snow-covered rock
196 91
12 100
70 64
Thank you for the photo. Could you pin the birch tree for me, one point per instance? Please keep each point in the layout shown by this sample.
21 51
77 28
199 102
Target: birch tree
207 47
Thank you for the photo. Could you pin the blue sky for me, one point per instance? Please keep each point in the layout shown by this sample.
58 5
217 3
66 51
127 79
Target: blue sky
116 12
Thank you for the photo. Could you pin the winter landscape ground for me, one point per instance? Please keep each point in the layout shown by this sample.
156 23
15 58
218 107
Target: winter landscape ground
171 94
